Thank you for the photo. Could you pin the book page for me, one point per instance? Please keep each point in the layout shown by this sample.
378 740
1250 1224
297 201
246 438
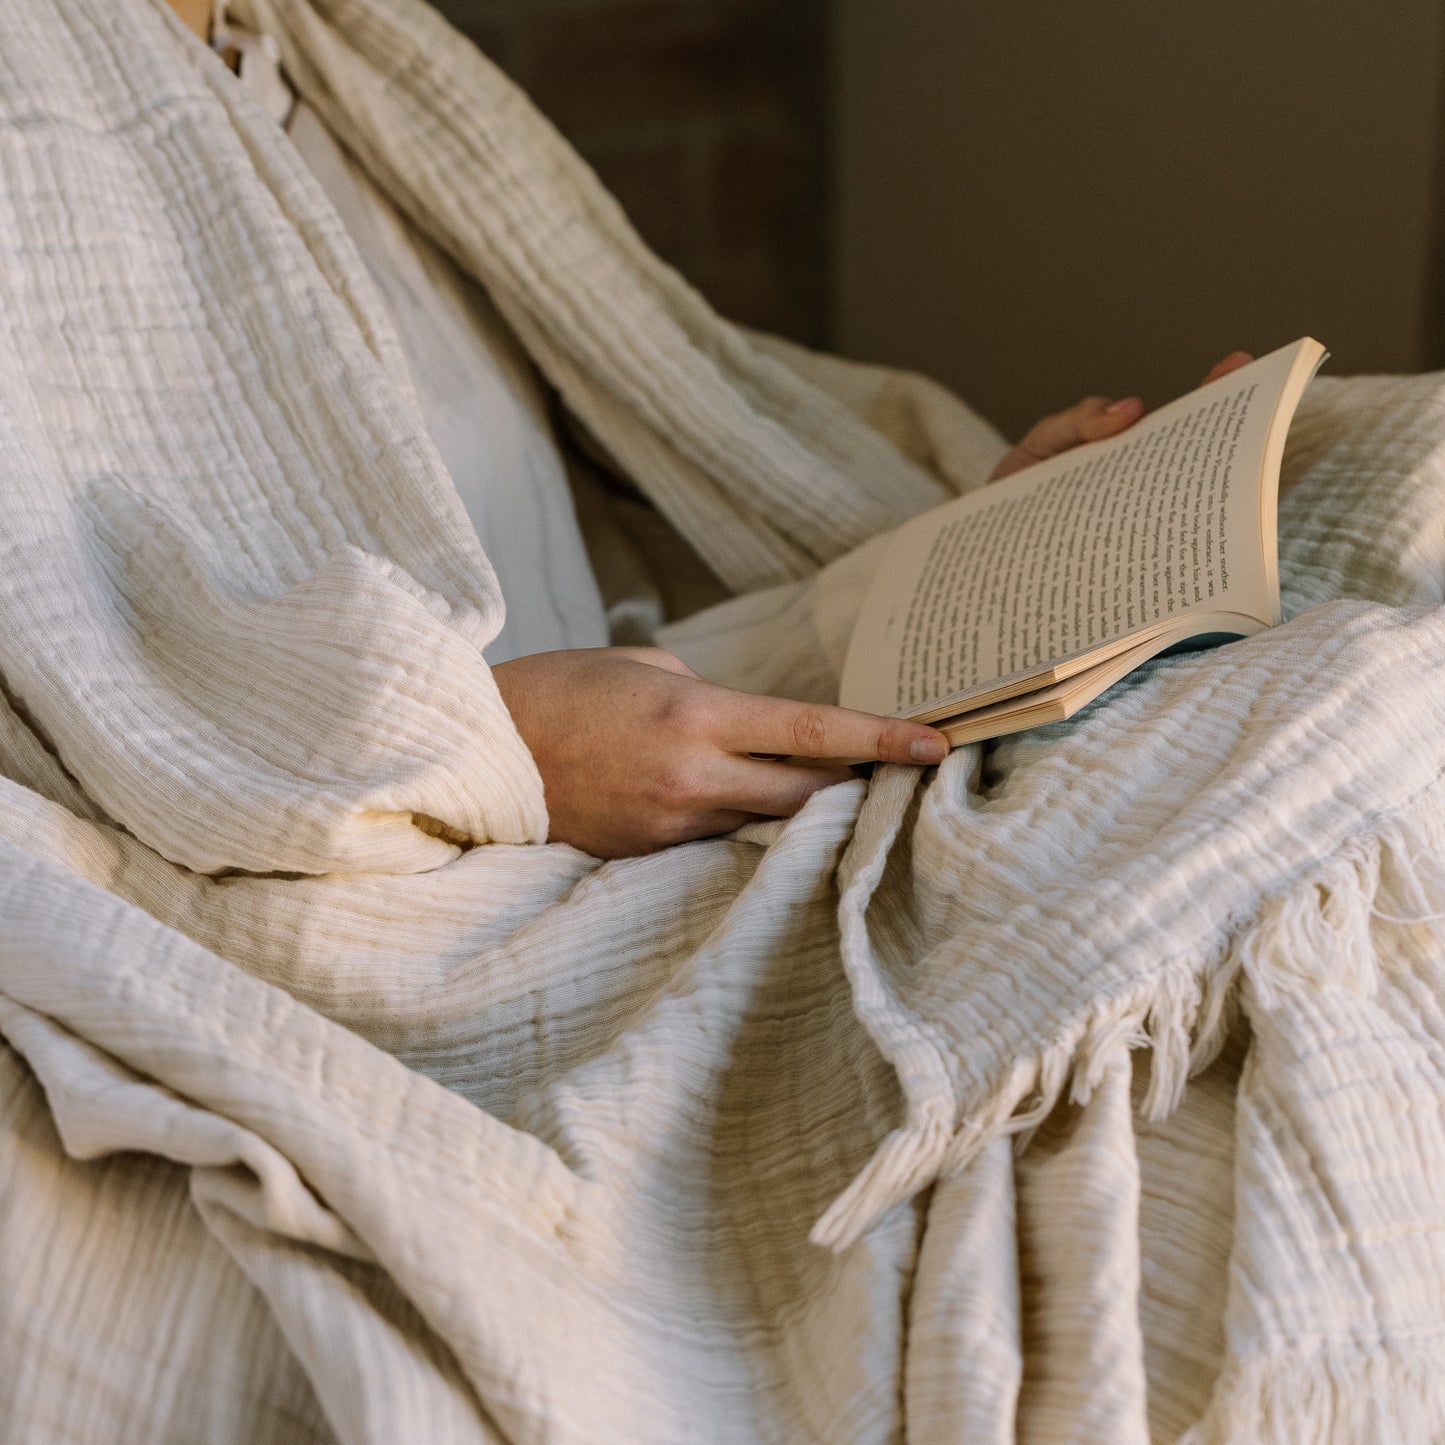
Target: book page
1075 553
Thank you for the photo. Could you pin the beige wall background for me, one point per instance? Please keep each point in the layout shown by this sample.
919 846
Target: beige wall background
1033 202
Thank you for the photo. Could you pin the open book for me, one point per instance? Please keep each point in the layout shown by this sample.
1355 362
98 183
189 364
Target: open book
1017 604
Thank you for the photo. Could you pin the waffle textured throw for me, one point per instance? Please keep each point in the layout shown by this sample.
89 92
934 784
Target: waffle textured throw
1089 1089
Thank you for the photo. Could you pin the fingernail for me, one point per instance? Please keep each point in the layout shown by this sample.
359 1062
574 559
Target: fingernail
1129 403
928 750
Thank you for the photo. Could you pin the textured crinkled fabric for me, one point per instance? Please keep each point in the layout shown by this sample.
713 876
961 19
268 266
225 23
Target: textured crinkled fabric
335 1106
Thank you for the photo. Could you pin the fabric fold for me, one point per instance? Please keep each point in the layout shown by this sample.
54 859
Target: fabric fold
396 1137
766 475
150 572
1053 948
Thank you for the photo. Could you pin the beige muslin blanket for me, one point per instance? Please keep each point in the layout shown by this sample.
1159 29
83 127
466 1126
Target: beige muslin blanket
336 1106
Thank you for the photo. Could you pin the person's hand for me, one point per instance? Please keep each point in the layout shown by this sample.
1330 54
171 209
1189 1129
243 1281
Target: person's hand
637 752
1090 420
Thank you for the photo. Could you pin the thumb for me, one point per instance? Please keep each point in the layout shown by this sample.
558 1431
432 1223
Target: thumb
657 657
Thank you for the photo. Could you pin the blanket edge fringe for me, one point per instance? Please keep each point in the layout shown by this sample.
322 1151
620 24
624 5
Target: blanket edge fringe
1315 932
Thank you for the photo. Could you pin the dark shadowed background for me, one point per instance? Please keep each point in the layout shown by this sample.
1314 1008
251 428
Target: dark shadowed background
708 121
1028 202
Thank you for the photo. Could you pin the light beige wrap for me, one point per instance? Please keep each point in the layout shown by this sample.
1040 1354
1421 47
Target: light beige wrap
333 1106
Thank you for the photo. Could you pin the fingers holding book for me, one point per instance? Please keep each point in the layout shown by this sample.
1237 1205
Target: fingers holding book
637 752
1225 365
1090 420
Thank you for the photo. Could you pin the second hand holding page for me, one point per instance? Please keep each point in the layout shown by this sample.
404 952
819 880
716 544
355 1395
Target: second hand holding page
1052 585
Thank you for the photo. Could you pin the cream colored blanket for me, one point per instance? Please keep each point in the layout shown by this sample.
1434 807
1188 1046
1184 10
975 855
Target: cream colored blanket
334 1106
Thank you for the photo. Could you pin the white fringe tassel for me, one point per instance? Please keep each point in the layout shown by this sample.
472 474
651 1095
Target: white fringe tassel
1316 934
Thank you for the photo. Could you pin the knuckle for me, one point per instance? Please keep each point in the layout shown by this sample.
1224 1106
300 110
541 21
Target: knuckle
1041 440
667 833
809 731
683 712
674 785
804 791
658 658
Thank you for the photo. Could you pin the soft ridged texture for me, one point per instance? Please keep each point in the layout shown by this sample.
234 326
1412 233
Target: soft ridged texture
767 475
334 1107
